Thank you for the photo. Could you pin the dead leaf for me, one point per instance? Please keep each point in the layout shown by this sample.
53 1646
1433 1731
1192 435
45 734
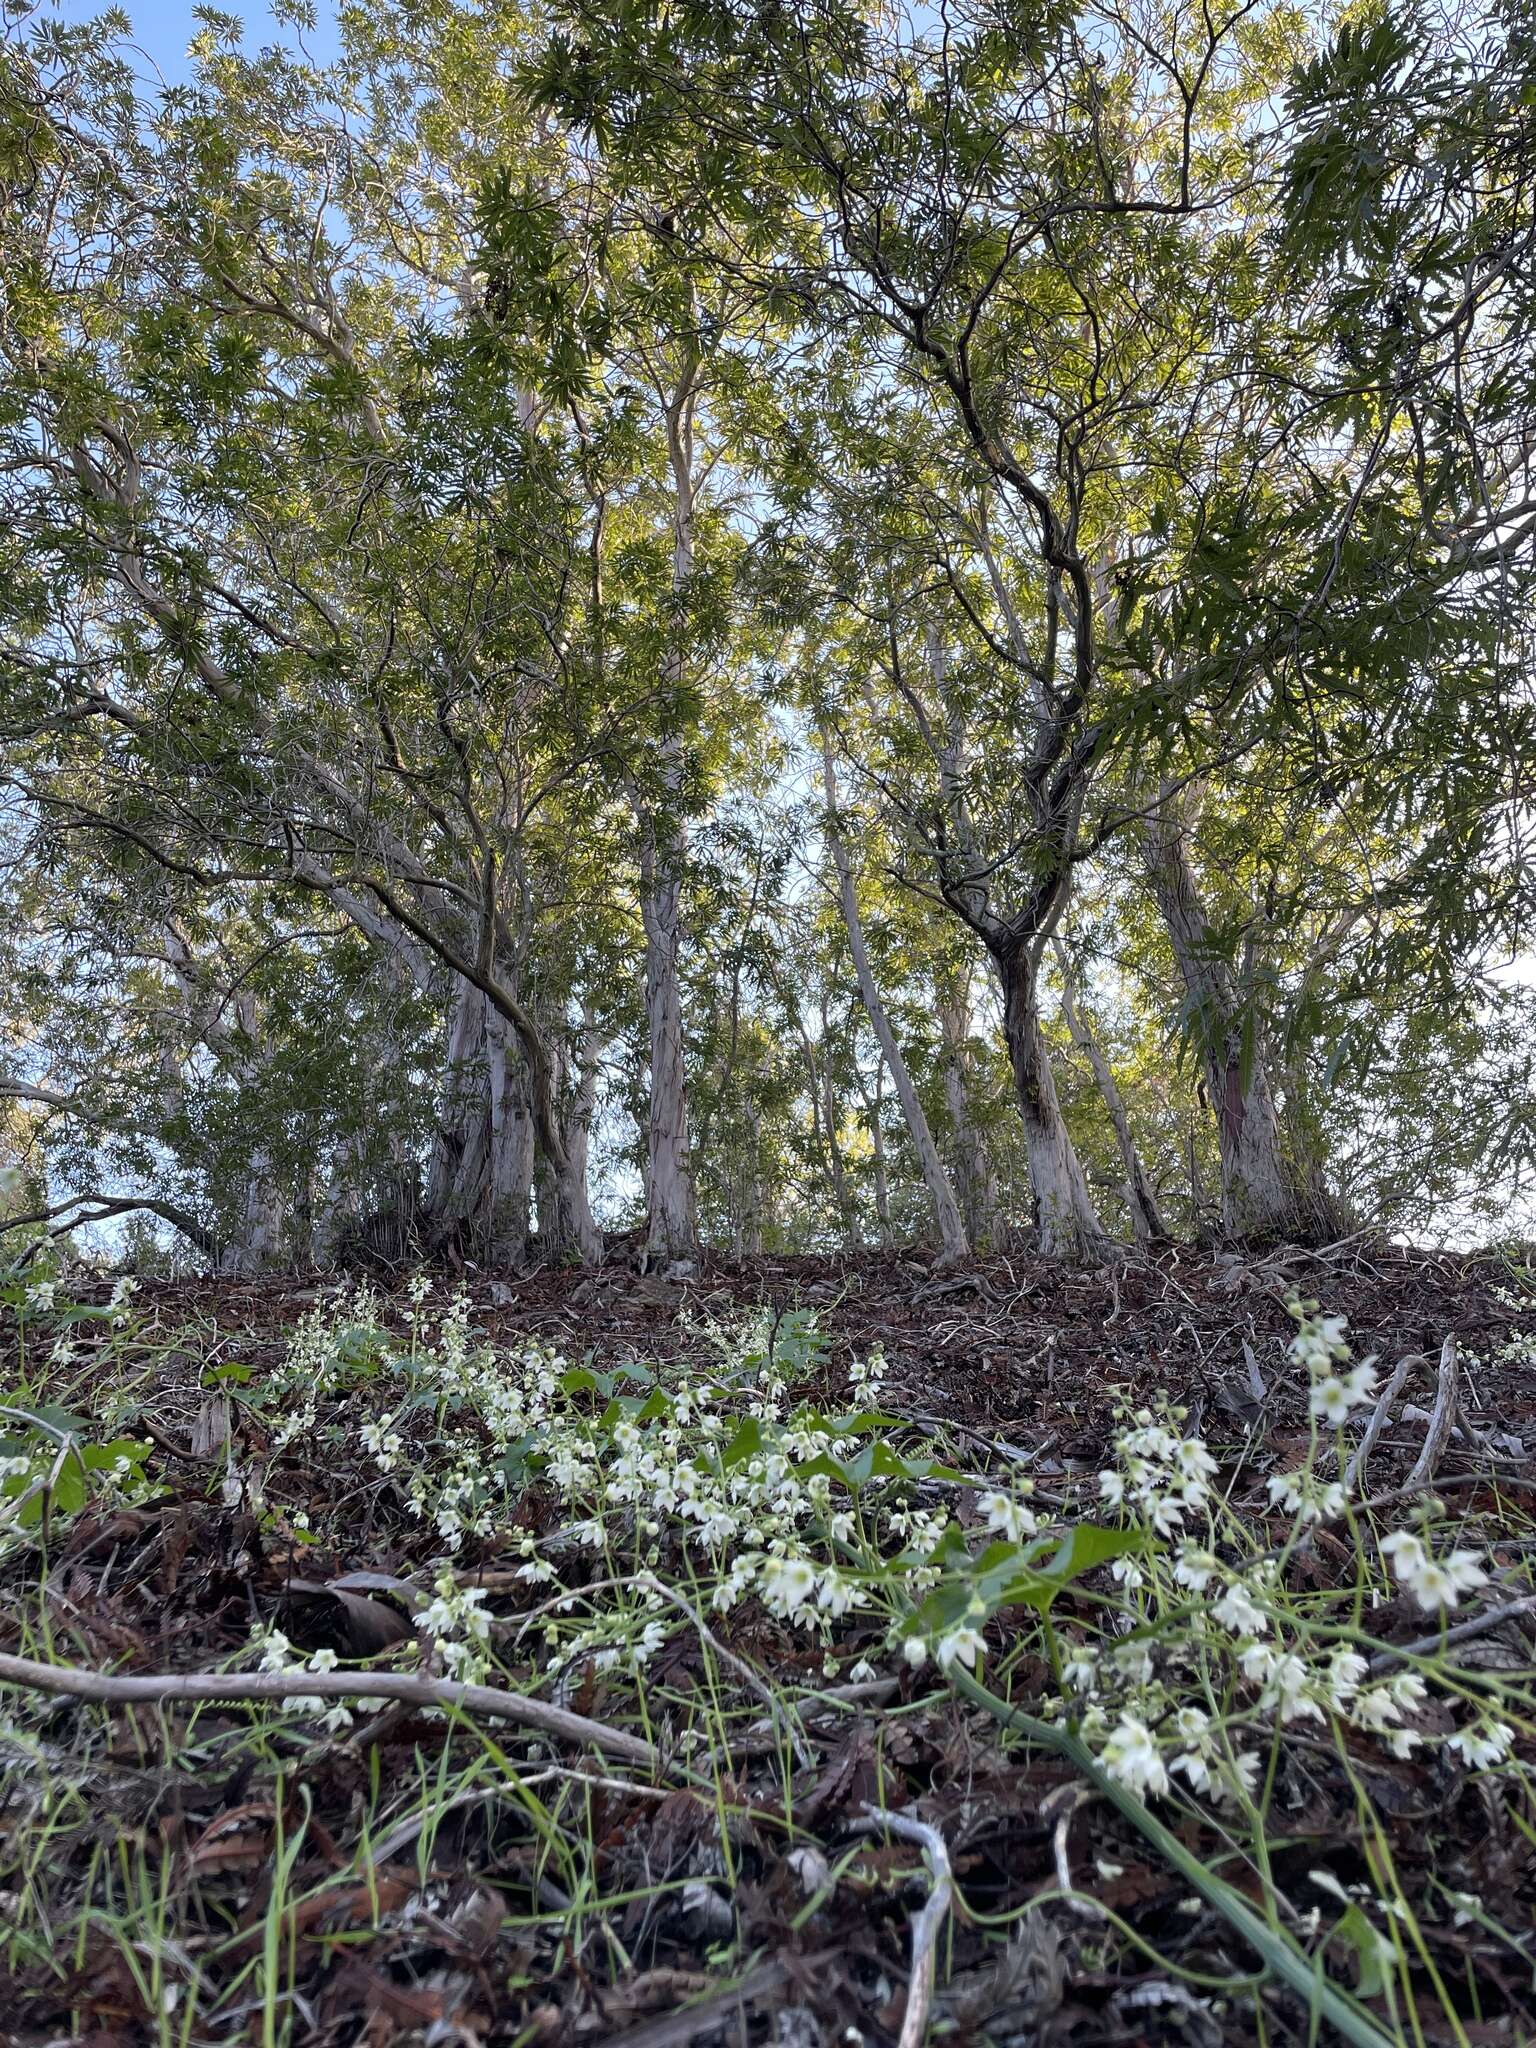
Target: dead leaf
369 1625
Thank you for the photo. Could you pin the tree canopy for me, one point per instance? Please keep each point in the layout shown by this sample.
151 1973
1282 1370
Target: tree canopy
769 625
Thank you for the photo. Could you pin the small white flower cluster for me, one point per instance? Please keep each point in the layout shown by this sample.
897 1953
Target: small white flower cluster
459 1627
277 1654
719 1477
1160 1475
1435 1582
1320 1345
867 1376
1132 1700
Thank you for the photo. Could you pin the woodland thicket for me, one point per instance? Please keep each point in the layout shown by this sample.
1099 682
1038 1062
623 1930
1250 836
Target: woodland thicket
768 623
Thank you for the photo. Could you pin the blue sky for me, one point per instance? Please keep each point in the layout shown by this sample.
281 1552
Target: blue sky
163 28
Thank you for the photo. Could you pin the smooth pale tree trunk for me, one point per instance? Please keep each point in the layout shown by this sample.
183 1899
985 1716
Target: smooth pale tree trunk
1140 1195
874 1108
1065 1217
749 1194
511 1150
973 1165
941 1196
567 1228
1262 1194
259 1242
672 1228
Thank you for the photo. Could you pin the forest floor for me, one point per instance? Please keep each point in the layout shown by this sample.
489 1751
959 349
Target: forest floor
775 1819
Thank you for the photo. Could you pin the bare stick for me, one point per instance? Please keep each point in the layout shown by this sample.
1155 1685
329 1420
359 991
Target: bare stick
1478 1625
1442 1418
925 1923
1380 1417
176 1687
1077 1797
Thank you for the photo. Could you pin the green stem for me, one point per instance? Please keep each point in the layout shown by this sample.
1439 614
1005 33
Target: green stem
1282 1955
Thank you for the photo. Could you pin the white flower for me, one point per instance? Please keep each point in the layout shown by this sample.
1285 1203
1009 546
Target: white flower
1334 1400
651 1638
1487 1742
1000 1511
324 1660
277 1651
1433 1582
1319 1341
1408 1690
1112 1489
1307 1497
837 1594
915 1650
1236 1611
1131 1755
1402 1742
1081 1669
1195 1568
786 1583
1346 1674
40 1295
962 1645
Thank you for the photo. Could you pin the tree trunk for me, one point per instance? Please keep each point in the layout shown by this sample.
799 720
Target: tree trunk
261 1222
567 1228
1065 1218
973 1168
511 1152
1140 1195
456 1165
672 1227
1262 1195
874 1106
480 1171
941 1196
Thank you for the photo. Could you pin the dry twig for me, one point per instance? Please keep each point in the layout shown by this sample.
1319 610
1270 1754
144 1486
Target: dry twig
174 1688
1381 1415
926 1923
1442 1417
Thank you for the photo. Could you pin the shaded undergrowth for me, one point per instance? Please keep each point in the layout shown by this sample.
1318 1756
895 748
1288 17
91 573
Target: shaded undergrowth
1184 1737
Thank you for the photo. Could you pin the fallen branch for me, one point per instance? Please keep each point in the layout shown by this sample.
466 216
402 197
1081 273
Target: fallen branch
1380 1416
1442 1417
180 1687
926 1923
1463 1632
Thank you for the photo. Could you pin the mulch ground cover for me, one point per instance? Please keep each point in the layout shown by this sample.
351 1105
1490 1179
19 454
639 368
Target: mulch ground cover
694 1928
